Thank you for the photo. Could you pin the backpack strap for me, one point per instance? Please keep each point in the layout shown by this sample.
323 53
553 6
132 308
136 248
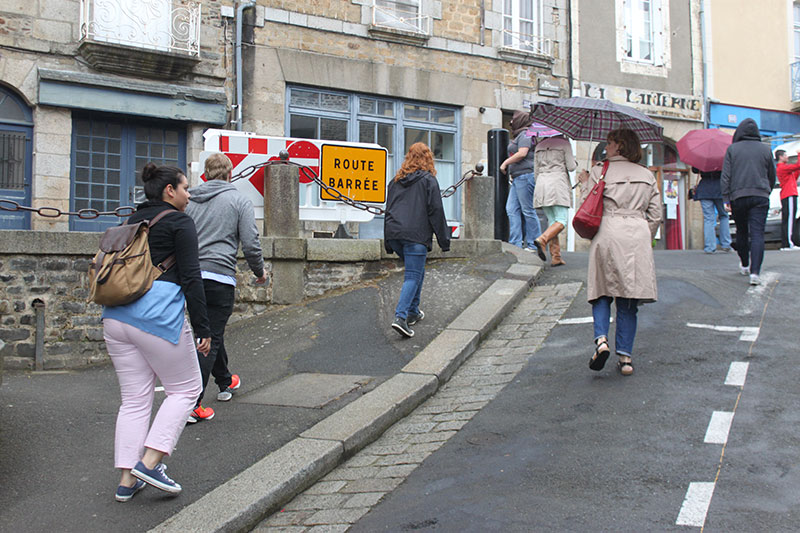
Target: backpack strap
170 261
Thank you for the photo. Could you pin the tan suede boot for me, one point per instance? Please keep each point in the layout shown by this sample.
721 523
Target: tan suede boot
545 237
555 253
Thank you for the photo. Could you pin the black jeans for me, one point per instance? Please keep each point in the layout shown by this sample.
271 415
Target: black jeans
219 305
750 216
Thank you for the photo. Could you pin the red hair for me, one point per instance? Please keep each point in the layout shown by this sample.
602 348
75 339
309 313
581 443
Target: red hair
419 157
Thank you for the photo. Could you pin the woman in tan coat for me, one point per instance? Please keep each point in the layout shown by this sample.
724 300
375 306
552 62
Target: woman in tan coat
621 266
553 160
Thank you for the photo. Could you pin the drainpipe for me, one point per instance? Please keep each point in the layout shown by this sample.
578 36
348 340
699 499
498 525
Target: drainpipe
240 7
703 46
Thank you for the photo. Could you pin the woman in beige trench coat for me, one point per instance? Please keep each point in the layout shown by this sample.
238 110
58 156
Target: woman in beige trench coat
621 266
553 160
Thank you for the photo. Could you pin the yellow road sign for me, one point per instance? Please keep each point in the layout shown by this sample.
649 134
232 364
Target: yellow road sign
356 172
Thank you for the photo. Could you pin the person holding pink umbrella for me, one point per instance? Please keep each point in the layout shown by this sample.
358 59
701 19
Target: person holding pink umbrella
709 194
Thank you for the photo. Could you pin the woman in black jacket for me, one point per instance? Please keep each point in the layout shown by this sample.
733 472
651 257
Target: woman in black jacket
149 339
414 212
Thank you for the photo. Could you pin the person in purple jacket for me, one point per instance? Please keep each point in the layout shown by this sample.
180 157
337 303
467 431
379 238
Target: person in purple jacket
414 212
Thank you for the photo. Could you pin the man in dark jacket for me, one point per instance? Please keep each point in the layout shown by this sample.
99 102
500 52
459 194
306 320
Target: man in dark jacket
224 219
748 176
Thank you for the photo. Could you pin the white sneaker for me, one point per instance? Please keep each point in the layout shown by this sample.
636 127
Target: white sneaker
754 279
744 271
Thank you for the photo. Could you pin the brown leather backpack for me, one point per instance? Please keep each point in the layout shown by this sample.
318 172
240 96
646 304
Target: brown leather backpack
122 270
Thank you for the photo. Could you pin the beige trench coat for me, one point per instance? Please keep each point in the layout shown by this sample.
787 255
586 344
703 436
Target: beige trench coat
621 254
552 161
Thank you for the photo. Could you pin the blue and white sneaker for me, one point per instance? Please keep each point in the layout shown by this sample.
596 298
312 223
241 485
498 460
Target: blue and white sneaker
156 477
126 493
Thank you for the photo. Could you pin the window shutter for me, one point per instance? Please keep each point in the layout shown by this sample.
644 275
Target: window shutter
658 33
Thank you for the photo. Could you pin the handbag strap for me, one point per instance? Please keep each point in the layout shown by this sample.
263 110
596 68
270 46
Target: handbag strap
605 169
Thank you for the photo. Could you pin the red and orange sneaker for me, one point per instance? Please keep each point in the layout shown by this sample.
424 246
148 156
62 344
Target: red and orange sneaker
200 413
227 393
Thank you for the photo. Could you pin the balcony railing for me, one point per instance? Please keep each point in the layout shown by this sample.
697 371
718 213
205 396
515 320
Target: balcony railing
163 25
527 43
397 19
796 81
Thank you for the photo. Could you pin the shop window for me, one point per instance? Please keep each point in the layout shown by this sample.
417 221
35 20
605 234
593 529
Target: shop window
392 124
108 156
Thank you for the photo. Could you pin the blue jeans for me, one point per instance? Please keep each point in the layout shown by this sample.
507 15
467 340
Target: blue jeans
750 215
626 321
712 208
519 206
413 255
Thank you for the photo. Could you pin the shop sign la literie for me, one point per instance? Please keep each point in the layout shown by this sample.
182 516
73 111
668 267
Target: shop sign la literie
657 103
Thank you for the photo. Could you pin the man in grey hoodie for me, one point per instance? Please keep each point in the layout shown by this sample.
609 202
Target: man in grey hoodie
224 218
748 176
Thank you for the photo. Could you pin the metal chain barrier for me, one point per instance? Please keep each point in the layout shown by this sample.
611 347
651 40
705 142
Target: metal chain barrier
54 212
126 211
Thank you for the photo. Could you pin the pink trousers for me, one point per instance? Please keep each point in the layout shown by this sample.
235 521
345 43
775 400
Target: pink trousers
139 358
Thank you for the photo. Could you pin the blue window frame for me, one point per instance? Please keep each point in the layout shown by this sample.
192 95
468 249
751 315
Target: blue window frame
314 113
16 155
108 155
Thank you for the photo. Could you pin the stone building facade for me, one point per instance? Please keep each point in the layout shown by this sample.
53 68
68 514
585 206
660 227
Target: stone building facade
647 55
443 72
93 89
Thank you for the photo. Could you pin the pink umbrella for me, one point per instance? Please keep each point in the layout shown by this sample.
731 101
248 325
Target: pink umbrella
540 130
704 149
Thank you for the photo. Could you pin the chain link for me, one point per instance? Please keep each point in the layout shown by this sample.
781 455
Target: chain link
54 212
247 172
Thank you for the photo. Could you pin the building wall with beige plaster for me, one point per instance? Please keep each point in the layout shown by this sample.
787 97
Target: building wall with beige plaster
750 52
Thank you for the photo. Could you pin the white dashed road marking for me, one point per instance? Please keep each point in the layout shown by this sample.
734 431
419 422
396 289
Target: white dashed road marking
695 505
578 320
737 374
718 427
749 334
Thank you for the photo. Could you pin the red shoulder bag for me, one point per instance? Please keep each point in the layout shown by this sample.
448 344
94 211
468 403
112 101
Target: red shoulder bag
587 219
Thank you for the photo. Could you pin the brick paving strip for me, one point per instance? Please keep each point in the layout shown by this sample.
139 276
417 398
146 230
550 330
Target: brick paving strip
348 492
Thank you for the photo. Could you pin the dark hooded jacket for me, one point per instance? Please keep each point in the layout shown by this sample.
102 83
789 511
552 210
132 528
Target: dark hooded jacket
748 169
414 212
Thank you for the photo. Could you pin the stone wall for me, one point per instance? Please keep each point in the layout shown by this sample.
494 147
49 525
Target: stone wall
51 268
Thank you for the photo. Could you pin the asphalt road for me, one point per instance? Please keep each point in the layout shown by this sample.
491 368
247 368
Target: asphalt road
563 448
57 429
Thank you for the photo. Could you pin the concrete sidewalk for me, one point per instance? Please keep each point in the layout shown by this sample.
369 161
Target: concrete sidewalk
56 442
242 502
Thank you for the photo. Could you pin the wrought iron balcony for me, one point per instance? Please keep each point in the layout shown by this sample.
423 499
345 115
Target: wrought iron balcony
400 22
524 42
796 82
165 34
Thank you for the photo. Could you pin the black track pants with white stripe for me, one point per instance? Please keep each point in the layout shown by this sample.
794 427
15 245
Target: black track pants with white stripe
790 225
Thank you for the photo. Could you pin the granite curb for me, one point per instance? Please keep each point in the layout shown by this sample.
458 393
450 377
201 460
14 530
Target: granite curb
240 503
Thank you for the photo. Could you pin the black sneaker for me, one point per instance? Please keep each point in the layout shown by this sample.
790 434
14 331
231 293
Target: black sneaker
414 318
401 326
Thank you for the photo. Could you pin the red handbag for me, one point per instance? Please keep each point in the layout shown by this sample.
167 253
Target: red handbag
587 219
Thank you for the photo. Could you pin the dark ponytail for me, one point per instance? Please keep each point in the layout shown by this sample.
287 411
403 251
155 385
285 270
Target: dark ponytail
155 178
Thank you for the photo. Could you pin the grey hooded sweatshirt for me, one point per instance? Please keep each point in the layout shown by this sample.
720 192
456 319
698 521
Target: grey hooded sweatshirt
748 168
224 218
